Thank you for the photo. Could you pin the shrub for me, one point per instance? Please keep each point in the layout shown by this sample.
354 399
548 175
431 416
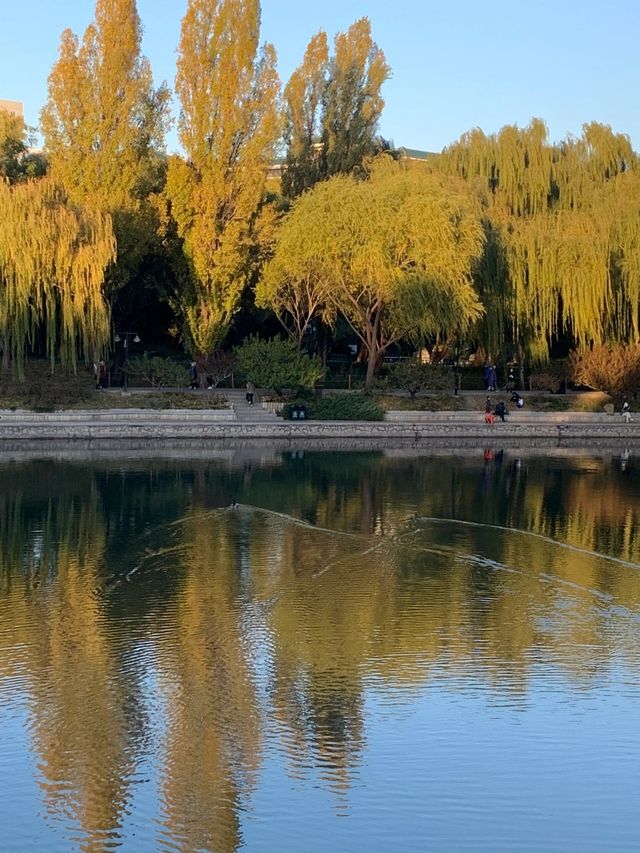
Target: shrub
412 376
158 372
544 382
614 369
278 364
346 407
217 367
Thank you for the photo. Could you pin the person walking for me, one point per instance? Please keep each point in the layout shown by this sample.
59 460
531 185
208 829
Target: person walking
193 376
486 373
251 390
493 379
103 375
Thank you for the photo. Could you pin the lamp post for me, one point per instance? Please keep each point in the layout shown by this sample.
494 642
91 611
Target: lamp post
456 387
125 337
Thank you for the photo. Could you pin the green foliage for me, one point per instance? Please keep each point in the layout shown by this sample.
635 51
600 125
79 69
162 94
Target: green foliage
563 235
611 368
303 104
16 162
394 255
169 400
332 107
412 376
158 372
352 102
277 364
346 407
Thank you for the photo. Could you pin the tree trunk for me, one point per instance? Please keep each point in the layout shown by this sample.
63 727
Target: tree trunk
373 346
520 360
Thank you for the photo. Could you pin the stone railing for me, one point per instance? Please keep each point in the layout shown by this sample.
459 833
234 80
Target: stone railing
517 416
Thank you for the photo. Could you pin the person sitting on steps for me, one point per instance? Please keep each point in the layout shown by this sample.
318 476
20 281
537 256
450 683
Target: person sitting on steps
501 410
488 411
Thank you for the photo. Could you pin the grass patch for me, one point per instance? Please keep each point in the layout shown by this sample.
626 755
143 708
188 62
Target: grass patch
587 402
156 400
43 391
339 407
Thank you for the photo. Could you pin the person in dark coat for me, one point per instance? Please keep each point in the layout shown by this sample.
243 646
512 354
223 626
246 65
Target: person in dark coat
501 410
193 376
486 373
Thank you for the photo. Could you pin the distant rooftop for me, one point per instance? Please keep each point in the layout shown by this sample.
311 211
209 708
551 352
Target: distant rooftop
14 107
416 153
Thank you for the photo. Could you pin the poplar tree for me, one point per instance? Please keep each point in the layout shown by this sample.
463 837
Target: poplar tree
229 126
303 97
353 102
103 125
333 106
52 263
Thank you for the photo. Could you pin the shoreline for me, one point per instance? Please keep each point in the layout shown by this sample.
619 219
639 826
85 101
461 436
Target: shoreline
146 425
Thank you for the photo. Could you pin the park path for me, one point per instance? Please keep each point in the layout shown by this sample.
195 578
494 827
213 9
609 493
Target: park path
246 413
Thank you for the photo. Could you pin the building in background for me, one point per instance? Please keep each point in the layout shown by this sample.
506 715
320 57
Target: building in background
14 107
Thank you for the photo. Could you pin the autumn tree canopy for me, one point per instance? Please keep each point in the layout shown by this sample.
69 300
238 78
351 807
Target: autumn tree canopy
562 226
229 126
393 254
17 162
332 107
52 264
103 126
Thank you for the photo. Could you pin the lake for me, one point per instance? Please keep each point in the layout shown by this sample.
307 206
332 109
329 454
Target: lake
264 649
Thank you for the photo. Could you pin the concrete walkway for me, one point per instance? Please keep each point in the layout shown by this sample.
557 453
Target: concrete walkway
241 421
244 422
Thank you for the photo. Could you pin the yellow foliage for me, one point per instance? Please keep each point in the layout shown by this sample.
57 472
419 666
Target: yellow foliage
52 265
393 254
563 226
229 126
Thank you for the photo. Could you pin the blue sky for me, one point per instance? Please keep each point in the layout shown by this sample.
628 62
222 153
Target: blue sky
456 65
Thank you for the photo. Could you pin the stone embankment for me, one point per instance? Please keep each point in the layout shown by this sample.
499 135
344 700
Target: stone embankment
239 422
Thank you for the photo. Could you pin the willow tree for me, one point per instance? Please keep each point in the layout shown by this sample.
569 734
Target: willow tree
292 285
103 126
229 125
394 255
52 266
553 264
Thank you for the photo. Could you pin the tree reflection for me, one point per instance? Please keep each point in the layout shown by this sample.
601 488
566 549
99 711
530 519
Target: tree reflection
136 601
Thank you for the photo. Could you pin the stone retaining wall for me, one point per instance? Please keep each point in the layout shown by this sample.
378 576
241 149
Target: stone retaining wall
221 425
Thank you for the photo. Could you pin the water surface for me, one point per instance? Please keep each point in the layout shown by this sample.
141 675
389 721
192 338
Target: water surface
301 651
